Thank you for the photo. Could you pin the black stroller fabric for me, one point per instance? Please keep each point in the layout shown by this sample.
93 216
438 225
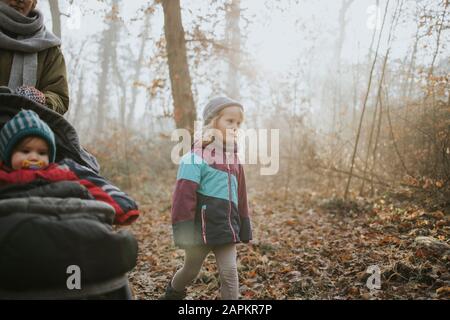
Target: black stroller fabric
40 188
47 227
41 237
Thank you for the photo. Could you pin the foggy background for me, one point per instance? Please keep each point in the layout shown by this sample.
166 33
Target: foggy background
360 92
282 42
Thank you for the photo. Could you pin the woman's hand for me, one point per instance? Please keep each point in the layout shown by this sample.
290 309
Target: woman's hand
31 93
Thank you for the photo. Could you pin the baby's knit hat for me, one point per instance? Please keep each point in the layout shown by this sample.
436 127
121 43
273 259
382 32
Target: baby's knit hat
26 123
216 105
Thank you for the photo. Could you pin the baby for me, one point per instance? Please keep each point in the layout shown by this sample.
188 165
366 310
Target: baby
26 142
28 153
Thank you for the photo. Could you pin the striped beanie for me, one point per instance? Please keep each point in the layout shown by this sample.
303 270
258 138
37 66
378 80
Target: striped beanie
25 124
216 105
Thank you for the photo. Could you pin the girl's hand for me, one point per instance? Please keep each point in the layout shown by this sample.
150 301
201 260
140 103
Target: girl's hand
31 93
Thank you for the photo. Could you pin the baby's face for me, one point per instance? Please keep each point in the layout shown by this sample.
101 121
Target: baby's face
31 151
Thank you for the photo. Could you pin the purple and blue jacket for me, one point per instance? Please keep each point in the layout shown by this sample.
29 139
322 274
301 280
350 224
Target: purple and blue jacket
210 200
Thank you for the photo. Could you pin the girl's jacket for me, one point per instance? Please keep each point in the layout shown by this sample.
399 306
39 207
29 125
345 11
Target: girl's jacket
210 199
68 170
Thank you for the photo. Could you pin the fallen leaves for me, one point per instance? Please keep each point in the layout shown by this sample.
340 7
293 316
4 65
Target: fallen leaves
390 240
443 292
306 247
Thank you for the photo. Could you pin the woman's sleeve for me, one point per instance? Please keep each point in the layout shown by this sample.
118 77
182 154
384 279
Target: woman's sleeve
53 81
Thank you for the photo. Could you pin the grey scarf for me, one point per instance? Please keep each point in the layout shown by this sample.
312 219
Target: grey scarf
31 38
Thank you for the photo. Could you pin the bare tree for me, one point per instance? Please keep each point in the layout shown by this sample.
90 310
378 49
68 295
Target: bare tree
56 17
184 107
79 104
233 14
337 97
378 103
438 40
358 134
107 47
138 67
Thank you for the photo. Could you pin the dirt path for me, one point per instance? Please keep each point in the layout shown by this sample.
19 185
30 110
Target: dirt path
306 248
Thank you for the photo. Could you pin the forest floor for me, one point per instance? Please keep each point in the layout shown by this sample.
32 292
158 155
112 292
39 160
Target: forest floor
312 247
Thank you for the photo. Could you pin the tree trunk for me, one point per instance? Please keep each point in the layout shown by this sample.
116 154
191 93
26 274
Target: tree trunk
56 17
138 70
372 42
118 78
438 41
233 17
107 46
434 114
358 134
184 107
378 103
337 105
79 106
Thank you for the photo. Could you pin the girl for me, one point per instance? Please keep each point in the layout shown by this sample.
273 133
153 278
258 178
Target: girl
209 209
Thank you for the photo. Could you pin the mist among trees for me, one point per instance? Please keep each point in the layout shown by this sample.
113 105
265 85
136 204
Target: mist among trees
358 89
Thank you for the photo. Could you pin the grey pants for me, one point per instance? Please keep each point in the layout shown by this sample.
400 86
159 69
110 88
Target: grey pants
226 262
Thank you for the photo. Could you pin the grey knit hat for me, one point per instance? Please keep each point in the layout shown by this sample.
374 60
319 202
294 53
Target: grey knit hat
216 105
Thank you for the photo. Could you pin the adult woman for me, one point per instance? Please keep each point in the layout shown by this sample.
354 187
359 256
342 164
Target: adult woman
31 60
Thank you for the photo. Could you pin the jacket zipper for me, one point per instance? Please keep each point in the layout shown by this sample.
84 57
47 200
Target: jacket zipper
204 224
229 202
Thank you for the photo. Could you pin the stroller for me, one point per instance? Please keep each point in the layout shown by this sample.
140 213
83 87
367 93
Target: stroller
64 246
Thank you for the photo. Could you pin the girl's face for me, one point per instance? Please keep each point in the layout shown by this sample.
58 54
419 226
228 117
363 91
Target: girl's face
32 150
22 6
229 123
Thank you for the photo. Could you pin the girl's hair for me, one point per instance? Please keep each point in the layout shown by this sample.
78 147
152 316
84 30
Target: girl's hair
206 133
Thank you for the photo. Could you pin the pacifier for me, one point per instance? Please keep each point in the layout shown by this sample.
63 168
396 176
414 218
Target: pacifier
33 165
